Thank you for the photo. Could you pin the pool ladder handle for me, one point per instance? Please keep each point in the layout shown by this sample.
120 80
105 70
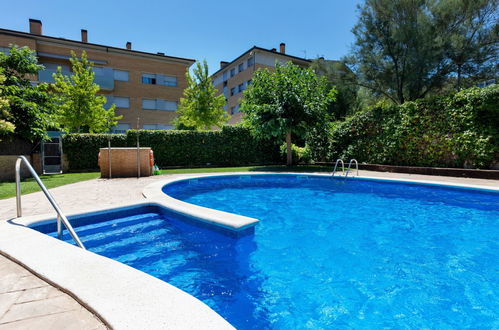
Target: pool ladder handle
350 165
339 160
61 218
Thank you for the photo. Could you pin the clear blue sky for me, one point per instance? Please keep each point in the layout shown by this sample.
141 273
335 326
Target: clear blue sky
211 30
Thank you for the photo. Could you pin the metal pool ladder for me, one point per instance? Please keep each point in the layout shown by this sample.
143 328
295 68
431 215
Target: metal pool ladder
345 173
61 218
339 160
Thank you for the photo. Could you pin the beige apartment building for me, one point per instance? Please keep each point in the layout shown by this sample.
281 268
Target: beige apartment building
145 87
234 77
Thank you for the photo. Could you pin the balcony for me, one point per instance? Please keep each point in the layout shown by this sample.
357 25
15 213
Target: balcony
103 77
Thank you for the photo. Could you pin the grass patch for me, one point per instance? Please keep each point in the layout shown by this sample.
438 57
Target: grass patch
29 185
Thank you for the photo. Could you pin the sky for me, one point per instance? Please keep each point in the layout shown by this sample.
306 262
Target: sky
212 30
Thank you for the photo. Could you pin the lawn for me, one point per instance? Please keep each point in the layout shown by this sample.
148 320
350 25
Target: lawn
8 189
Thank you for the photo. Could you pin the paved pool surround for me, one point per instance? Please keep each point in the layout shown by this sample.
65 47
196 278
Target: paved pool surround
124 297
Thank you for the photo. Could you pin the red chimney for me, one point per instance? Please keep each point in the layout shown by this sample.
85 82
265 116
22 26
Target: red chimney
128 45
35 26
84 35
282 48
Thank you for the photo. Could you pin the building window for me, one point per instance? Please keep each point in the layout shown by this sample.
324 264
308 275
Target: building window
120 128
148 78
241 67
120 75
121 102
148 104
157 126
232 110
235 109
232 91
159 104
98 71
225 91
167 80
240 88
225 75
248 82
250 62
232 72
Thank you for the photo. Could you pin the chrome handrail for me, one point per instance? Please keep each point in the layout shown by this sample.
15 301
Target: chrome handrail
336 165
61 218
350 165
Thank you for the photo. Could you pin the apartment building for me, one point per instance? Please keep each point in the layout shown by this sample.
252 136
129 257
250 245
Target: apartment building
145 87
234 77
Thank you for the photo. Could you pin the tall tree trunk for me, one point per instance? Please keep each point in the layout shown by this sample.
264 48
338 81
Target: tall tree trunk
289 152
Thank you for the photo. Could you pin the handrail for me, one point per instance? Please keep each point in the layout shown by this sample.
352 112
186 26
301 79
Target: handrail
336 165
350 165
60 216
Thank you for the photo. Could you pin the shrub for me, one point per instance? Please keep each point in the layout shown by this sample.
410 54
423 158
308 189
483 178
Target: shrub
232 146
459 130
301 155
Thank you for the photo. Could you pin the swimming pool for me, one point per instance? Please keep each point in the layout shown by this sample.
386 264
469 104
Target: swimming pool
327 252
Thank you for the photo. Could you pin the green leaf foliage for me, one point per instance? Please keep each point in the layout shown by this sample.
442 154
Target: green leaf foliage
289 101
79 107
231 146
459 130
406 49
200 108
6 126
30 111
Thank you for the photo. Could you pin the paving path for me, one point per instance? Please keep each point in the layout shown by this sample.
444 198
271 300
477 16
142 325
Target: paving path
27 302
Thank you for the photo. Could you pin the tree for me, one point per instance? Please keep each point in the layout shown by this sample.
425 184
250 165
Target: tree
200 108
406 49
6 127
78 105
340 76
30 110
289 101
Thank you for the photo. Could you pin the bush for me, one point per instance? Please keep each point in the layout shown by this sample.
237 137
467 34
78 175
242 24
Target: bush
301 155
459 130
232 146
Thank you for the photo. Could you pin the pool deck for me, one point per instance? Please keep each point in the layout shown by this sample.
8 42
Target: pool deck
29 302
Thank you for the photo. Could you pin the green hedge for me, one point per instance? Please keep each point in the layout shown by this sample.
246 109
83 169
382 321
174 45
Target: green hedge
232 146
459 130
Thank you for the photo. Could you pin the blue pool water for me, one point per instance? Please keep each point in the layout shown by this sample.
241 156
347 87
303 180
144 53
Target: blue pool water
327 253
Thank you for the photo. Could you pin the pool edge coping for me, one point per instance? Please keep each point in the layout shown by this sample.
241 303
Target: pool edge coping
121 296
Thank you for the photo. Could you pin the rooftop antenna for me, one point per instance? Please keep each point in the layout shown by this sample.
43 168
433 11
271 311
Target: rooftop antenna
138 149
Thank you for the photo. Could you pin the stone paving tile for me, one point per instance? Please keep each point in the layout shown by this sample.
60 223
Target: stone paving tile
70 320
27 302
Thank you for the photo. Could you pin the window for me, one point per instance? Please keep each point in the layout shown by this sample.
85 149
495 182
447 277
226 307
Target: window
232 72
149 78
248 82
240 88
225 91
120 128
225 75
98 71
235 110
232 91
168 80
122 102
120 75
148 104
250 62
159 104
241 67
157 126
232 110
